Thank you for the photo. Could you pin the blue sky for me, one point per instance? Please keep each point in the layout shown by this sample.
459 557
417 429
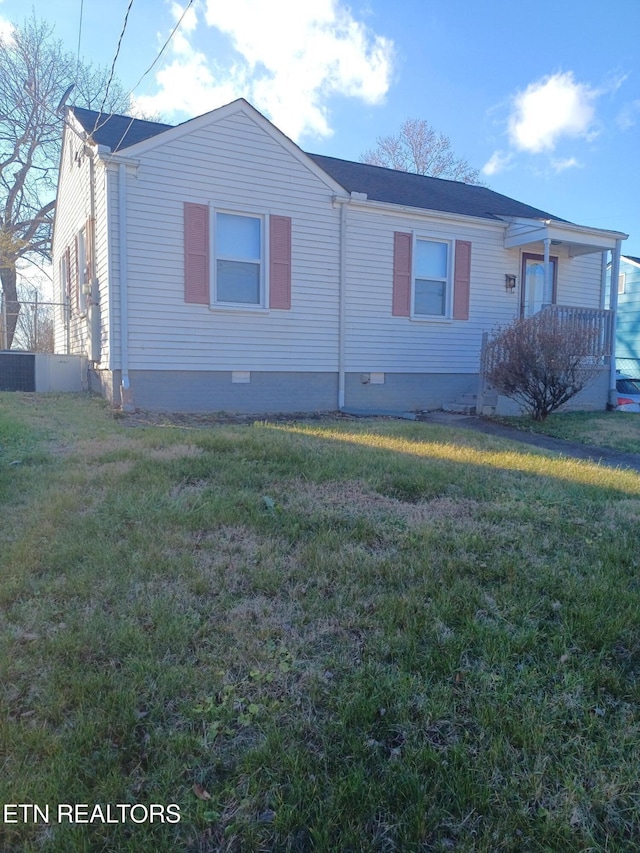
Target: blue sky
544 97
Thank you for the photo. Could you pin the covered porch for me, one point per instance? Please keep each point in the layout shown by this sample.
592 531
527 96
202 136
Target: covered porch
538 239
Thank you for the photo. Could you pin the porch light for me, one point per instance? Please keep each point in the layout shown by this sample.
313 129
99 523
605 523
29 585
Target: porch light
509 283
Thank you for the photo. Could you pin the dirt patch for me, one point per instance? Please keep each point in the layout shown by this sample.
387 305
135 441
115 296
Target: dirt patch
354 498
204 420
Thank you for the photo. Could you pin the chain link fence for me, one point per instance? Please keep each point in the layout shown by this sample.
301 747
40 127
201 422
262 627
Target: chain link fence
34 325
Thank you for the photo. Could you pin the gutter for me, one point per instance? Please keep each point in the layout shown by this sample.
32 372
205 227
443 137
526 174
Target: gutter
342 307
342 292
125 387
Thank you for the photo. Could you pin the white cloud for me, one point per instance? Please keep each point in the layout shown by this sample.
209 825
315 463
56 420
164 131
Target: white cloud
292 58
498 162
628 116
549 109
6 30
566 163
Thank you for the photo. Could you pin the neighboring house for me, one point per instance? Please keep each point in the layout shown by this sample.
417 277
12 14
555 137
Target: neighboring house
628 320
216 266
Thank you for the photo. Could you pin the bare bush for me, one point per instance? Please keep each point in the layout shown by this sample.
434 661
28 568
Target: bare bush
543 361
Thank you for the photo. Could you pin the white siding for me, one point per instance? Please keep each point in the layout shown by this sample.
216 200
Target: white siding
378 341
232 162
73 209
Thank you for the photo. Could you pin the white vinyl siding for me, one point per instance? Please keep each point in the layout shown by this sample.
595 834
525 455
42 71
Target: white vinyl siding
231 165
73 210
378 341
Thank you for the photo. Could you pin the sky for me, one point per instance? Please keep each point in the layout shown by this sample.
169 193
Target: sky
543 98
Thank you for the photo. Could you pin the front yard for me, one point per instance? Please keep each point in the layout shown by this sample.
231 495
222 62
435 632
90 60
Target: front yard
314 636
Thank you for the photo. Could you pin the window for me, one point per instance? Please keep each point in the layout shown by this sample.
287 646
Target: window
430 278
622 281
239 268
235 269
81 274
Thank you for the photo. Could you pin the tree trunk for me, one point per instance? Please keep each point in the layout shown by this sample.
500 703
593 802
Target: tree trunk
11 306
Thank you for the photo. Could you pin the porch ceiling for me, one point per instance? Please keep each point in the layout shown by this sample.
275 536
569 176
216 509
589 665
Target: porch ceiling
578 239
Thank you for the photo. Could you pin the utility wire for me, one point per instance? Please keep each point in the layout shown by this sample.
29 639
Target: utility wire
163 48
79 38
149 69
113 66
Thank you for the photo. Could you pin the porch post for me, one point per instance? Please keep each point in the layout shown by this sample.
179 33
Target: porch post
603 278
613 306
547 297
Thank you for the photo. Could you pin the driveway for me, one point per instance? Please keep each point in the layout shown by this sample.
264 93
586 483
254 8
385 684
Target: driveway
593 453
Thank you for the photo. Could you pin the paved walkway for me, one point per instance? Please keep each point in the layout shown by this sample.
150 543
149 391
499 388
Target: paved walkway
594 453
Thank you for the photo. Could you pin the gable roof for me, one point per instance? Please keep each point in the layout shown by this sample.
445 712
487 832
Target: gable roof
407 188
630 258
118 132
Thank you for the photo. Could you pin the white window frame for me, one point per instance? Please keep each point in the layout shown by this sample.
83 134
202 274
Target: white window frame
622 282
448 281
262 305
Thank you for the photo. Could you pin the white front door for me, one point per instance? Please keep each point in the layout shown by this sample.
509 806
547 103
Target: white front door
534 293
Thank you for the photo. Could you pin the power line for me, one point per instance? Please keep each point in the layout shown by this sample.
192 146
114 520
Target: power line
150 68
113 65
79 38
163 48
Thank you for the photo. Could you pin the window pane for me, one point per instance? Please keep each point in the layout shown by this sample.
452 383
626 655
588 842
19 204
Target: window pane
431 259
430 297
237 236
238 282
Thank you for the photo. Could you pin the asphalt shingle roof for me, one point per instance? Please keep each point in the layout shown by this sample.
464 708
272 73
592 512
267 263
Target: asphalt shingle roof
380 184
116 131
406 188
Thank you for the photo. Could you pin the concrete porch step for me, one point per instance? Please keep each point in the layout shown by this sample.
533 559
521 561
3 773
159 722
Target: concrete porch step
467 404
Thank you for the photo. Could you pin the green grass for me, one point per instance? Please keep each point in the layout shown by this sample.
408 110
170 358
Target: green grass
322 636
617 430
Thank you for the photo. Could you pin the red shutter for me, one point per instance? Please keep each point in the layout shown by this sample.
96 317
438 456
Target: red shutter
196 253
75 277
462 280
280 262
401 302
67 260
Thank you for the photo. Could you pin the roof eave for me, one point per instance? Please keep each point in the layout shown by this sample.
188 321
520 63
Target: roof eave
580 239
411 210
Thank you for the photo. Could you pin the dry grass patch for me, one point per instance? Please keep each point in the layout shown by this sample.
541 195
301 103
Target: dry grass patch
355 498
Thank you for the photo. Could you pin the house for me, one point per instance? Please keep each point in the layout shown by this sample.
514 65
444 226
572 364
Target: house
628 317
214 265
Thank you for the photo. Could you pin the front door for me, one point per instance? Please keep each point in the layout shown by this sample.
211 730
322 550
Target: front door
533 296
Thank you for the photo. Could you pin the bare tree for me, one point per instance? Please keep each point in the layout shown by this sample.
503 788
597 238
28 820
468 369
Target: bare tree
35 73
421 149
541 361
35 327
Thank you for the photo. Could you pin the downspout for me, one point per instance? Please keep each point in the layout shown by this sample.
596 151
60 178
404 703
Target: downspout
342 306
94 302
125 388
613 306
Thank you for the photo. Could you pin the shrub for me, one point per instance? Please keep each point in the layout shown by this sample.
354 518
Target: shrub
543 361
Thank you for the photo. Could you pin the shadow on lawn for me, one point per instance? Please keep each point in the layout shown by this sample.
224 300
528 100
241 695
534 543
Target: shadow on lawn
573 471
